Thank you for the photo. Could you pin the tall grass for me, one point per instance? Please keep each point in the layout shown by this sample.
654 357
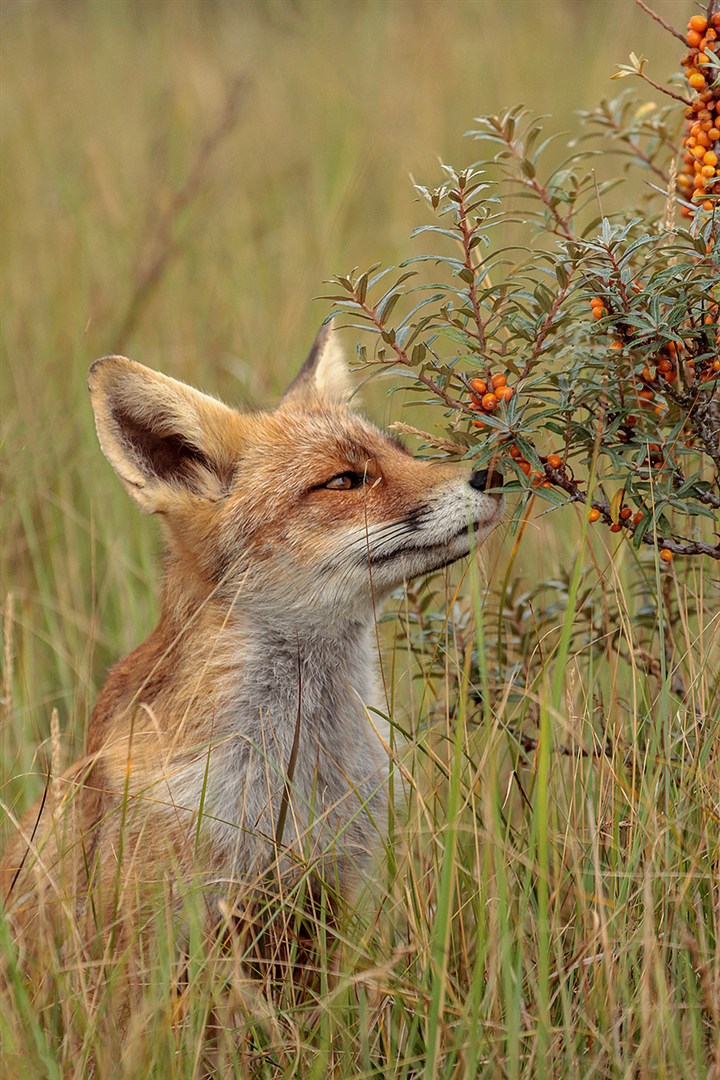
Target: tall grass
549 902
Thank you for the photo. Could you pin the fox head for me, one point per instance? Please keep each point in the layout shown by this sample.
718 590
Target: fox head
309 507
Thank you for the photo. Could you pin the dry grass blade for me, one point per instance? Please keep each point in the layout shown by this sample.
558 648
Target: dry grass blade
8 661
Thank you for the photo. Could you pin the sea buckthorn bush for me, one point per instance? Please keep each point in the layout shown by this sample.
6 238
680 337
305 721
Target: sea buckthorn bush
589 367
570 340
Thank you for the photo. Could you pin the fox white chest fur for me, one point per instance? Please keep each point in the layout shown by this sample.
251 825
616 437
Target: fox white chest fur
293 727
245 738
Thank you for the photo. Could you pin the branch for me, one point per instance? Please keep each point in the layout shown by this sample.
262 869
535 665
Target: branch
658 19
664 90
636 148
467 235
683 546
161 246
402 356
546 327
698 409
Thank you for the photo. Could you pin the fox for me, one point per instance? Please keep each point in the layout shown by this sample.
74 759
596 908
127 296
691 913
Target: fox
247 738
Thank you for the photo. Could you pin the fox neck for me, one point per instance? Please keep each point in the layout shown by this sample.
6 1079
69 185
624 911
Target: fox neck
276 661
283 669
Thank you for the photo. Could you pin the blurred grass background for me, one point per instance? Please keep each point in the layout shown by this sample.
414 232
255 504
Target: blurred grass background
106 106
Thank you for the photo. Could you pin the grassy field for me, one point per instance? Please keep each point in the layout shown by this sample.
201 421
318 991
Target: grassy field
178 180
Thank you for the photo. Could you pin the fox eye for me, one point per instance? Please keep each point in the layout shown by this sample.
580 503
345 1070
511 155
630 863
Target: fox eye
346 481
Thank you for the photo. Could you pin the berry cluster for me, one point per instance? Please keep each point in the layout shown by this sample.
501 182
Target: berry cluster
623 517
487 395
597 306
699 172
538 478
626 518
665 366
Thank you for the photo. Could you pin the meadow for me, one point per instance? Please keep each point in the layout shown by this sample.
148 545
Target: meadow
179 179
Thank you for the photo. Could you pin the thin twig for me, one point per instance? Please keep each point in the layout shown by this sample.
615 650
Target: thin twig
664 90
467 233
637 149
404 359
161 247
659 19
531 745
545 328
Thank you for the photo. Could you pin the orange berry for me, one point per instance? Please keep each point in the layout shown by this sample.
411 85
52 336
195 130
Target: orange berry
498 380
478 423
714 134
515 453
666 555
554 461
489 402
625 513
594 515
615 527
504 393
693 38
697 81
637 517
478 386
647 374
646 395
710 158
597 301
698 23
525 467
665 365
616 345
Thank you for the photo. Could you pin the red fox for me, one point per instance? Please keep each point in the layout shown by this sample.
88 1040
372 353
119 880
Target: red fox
246 735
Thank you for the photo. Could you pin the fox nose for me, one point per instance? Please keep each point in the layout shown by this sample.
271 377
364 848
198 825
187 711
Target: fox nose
482 479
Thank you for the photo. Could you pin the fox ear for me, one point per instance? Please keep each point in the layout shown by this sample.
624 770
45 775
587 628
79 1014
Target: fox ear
165 440
324 374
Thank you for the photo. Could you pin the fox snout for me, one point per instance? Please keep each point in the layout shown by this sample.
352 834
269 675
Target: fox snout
486 479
